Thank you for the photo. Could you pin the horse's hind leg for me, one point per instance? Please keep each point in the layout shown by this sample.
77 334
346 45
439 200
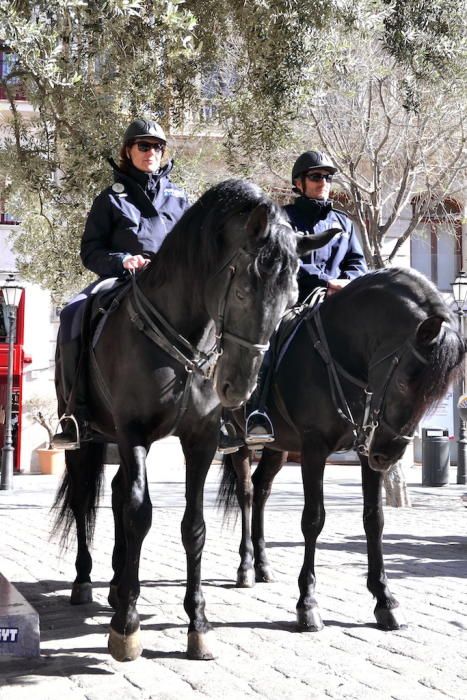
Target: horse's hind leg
77 499
387 612
124 636
270 464
313 461
244 493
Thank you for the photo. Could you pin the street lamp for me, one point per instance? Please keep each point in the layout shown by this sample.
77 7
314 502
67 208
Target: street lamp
11 299
459 290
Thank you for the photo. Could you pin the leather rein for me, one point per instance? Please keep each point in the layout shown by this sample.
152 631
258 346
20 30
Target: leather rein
373 413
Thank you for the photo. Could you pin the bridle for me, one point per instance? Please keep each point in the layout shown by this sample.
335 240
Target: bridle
375 402
155 326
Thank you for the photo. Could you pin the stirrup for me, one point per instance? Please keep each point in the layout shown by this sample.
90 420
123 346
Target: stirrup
66 444
260 434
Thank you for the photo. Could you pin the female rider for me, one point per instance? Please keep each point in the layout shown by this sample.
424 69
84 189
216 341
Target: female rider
128 222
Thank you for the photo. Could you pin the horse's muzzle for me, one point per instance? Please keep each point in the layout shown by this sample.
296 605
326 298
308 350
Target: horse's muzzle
380 462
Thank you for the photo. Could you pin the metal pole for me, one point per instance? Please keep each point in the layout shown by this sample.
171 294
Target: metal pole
462 442
6 480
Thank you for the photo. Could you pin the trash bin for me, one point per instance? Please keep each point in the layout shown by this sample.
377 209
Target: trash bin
435 457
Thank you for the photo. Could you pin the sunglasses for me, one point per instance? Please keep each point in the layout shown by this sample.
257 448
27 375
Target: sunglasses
145 146
316 177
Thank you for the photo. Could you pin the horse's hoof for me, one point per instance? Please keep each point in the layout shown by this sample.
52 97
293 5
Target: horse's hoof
125 647
113 597
199 646
390 619
309 620
81 593
245 579
265 575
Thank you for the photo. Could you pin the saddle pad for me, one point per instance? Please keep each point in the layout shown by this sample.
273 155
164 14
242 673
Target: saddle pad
292 322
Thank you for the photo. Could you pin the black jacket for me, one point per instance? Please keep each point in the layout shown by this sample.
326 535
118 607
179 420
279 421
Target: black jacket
342 258
133 216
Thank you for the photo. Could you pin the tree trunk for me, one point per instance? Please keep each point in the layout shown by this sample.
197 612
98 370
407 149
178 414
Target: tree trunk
395 485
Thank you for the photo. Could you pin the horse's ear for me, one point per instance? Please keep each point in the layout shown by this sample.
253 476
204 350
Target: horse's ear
257 226
305 244
428 330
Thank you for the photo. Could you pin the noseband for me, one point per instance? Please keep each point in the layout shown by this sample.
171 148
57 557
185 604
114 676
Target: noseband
239 261
373 414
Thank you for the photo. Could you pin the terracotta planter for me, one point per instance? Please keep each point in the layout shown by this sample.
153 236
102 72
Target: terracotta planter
51 461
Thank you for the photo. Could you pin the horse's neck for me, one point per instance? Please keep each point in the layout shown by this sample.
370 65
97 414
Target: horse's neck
346 326
181 307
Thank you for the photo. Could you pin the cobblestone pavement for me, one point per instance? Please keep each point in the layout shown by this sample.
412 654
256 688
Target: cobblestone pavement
259 653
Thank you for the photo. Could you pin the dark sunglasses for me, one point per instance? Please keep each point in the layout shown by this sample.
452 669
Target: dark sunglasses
145 146
316 177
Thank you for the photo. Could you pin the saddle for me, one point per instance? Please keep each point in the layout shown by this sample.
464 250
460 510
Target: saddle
280 343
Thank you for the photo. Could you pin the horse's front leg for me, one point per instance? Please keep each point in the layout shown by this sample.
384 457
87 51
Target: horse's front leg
244 491
119 550
198 461
136 509
313 516
387 612
270 464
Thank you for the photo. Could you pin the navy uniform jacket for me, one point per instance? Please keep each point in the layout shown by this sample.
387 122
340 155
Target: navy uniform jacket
133 216
341 258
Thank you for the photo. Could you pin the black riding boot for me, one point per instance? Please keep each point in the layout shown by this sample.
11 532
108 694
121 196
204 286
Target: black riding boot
258 427
72 377
229 441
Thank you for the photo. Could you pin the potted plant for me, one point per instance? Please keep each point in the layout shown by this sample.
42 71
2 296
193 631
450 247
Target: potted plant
43 411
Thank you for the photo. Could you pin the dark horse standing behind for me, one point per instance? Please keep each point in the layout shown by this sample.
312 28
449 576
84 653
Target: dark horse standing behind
187 338
360 373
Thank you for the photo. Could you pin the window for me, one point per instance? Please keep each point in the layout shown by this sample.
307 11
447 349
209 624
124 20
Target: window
436 245
7 64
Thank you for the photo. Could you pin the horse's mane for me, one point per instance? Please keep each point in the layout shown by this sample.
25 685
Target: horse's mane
196 243
422 299
409 286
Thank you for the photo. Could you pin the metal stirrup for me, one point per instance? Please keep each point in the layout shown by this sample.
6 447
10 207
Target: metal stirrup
259 438
71 417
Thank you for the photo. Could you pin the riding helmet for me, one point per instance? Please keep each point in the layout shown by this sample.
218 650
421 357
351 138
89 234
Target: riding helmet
312 160
144 127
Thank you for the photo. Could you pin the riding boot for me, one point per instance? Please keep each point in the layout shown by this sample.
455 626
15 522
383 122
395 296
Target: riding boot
75 423
229 441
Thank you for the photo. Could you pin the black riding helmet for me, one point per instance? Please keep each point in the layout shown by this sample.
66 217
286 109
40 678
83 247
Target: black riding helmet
144 127
312 160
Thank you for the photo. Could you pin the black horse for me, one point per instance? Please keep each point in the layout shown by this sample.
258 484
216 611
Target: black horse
358 373
221 281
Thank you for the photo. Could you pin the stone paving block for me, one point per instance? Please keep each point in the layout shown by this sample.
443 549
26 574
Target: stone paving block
260 654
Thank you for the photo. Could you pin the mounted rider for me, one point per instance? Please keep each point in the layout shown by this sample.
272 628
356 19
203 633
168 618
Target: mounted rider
331 267
127 223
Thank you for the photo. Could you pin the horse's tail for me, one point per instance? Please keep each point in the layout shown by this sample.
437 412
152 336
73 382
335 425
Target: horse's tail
79 492
226 496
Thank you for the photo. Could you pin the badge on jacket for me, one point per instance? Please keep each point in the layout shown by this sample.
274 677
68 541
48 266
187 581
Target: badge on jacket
171 192
118 188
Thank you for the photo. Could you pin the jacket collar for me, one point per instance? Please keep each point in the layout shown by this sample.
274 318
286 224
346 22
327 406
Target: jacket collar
137 186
